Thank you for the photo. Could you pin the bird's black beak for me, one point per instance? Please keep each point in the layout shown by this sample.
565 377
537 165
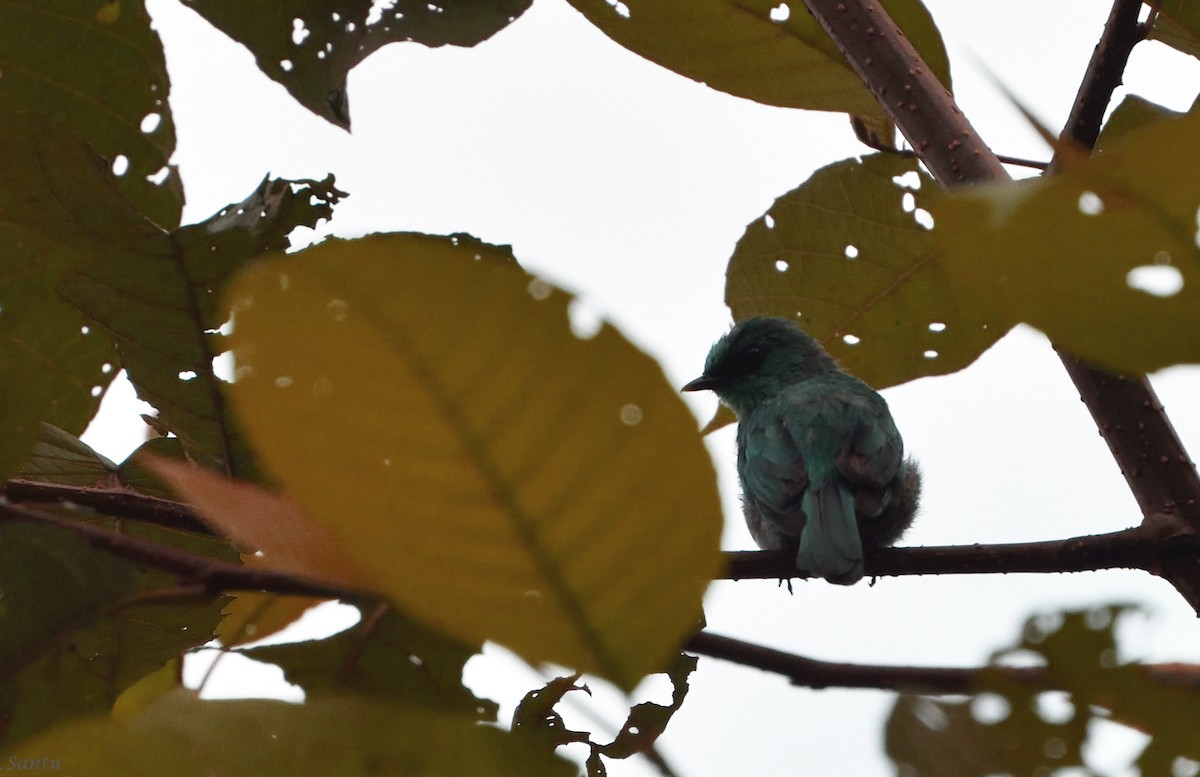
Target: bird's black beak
702 383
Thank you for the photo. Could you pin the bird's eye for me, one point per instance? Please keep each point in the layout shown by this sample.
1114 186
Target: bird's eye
754 352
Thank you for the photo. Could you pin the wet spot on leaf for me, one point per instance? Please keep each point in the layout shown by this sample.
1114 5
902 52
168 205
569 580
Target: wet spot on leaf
537 288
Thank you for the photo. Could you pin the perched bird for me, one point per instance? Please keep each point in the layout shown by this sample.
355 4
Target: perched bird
820 460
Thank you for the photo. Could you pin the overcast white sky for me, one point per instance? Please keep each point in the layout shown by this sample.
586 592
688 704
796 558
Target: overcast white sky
630 185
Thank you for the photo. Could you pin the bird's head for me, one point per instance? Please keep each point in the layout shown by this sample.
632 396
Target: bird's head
757 359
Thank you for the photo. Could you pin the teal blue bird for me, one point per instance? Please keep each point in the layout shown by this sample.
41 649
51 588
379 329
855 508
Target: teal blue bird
820 460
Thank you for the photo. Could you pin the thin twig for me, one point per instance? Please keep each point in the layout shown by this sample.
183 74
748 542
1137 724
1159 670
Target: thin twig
116 502
212 574
814 673
873 141
1143 547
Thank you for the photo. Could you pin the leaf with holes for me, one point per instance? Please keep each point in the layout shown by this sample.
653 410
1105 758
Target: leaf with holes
97 67
845 256
158 299
310 46
495 476
764 50
53 193
181 735
1101 257
1013 727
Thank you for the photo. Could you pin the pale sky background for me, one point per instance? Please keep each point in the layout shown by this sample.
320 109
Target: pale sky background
630 185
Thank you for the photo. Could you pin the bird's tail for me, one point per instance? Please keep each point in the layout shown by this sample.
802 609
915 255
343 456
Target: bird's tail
830 546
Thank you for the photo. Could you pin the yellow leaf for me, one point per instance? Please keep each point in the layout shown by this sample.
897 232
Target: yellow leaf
252 615
764 50
494 475
1102 257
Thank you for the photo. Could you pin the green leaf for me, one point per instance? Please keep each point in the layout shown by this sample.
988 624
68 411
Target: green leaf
63 458
67 647
499 478
1178 25
1015 728
310 46
1096 256
1132 114
159 301
97 67
843 257
389 657
179 734
53 193
735 46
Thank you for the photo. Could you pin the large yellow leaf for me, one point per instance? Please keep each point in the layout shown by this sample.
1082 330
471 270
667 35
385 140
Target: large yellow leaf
1102 257
771 52
490 472
180 735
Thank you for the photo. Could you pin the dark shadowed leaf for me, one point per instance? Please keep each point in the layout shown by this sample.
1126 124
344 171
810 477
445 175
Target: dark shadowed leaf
63 458
514 482
178 734
771 52
845 258
53 192
97 67
385 656
159 300
1178 25
310 46
66 647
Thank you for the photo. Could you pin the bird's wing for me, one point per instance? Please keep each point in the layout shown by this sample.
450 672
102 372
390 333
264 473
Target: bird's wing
849 442
772 470
874 450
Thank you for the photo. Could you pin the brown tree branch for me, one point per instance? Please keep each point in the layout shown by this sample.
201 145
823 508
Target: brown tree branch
1155 542
928 680
1158 470
213 575
1147 547
114 502
1126 410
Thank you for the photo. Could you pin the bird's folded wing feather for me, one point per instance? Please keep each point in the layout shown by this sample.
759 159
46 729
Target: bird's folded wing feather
772 469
